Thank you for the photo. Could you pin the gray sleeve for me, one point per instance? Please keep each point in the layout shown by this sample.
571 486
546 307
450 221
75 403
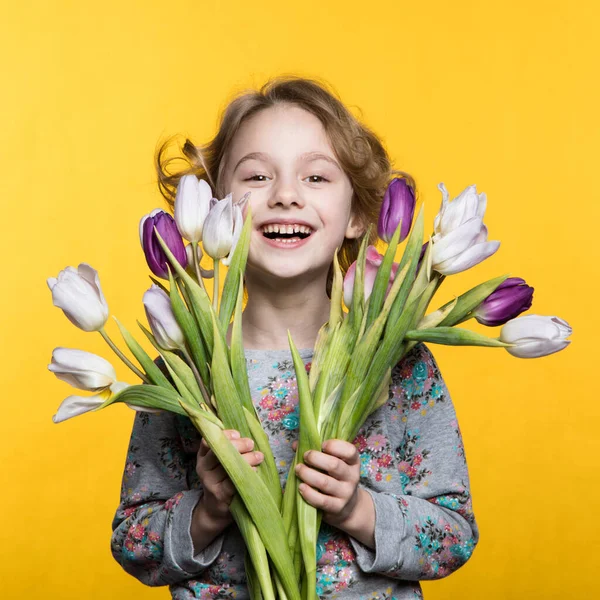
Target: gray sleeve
151 537
424 526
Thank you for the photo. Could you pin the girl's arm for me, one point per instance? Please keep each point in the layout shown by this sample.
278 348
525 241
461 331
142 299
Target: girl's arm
152 537
424 523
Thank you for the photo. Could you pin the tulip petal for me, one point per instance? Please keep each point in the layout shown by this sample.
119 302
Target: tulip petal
78 405
82 369
349 284
469 258
538 348
91 276
459 211
456 242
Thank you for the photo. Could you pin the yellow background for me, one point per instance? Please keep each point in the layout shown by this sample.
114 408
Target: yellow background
504 95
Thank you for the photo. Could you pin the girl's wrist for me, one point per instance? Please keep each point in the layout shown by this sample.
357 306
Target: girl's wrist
360 522
206 526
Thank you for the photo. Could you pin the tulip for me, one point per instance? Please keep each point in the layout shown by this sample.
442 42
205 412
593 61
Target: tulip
460 239
238 223
533 336
512 297
163 324
192 203
78 293
217 238
167 228
82 369
372 263
398 207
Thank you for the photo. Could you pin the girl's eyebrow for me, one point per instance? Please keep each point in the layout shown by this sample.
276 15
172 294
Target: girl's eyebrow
307 156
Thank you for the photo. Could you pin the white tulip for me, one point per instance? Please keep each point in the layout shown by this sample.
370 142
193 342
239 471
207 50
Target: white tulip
74 406
192 205
82 369
162 321
460 237
238 223
78 293
217 237
535 335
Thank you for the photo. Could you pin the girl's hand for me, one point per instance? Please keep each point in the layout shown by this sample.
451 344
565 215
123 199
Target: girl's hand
218 488
330 482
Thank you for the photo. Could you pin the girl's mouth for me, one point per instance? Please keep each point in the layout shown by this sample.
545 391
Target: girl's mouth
286 236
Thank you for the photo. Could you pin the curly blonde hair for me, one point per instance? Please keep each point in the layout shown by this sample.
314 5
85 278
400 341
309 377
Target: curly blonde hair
359 151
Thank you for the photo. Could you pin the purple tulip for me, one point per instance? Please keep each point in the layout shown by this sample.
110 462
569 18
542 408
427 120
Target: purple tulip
512 297
167 228
398 205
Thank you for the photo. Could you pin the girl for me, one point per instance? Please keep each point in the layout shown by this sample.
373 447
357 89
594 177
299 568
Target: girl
396 502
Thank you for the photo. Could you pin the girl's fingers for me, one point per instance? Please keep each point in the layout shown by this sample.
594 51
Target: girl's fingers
332 465
342 450
323 482
253 458
315 498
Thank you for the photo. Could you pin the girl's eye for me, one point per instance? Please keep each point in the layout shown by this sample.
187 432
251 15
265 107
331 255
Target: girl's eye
256 178
320 178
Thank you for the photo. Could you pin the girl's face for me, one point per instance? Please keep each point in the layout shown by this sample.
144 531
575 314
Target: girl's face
300 196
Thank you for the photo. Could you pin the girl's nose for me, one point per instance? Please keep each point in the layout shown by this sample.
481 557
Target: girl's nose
285 194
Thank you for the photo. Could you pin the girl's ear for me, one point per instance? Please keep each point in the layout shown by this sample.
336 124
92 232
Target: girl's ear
355 227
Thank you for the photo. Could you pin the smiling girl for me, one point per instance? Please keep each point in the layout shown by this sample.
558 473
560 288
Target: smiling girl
396 502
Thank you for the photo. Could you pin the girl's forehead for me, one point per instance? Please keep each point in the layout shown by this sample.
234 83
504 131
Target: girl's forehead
281 130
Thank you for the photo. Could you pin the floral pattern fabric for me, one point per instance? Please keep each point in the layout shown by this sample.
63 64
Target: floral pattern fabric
413 465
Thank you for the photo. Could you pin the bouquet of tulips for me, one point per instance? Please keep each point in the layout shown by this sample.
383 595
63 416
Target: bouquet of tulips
387 314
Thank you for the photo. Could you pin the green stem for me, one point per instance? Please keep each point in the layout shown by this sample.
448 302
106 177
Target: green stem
198 257
123 357
201 385
216 286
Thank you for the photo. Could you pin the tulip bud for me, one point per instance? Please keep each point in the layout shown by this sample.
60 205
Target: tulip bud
398 206
460 239
167 228
82 369
78 293
372 263
217 237
238 223
533 336
163 324
512 297
192 203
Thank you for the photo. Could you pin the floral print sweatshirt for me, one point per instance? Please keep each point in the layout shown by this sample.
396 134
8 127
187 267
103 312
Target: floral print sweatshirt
413 465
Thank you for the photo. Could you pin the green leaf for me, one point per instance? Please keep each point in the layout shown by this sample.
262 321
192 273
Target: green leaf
200 302
235 272
454 336
156 376
229 406
358 291
470 300
239 369
267 469
337 291
256 497
190 330
180 371
383 277
309 439
149 396
257 551
410 258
